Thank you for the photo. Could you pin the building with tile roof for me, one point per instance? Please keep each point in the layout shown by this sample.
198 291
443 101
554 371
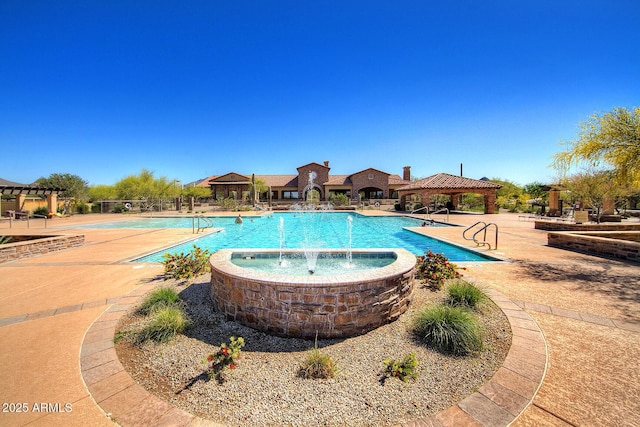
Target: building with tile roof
367 184
452 186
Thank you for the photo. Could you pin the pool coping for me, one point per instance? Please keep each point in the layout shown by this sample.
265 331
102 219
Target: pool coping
404 262
498 402
494 257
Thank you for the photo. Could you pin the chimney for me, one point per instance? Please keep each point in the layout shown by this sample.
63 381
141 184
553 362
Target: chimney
406 174
326 163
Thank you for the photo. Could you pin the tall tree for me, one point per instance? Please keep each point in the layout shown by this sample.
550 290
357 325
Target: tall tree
593 188
196 192
102 192
509 196
75 188
609 141
536 190
146 189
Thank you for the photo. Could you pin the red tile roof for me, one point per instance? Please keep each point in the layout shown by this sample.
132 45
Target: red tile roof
279 180
447 181
339 180
397 180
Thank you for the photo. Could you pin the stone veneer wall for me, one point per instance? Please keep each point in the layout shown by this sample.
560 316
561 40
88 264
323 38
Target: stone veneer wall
38 246
567 226
622 245
332 308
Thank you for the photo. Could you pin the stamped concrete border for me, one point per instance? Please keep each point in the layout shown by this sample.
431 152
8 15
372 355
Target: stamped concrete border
499 402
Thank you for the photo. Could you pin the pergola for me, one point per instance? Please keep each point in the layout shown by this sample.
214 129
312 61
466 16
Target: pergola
23 190
452 186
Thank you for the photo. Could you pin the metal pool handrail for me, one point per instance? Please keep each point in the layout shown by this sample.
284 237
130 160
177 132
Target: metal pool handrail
206 223
484 228
418 210
440 210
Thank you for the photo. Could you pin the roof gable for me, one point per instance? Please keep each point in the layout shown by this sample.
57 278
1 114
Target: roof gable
229 177
370 170
314 164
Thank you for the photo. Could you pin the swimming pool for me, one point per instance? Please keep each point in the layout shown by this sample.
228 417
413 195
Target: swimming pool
328 230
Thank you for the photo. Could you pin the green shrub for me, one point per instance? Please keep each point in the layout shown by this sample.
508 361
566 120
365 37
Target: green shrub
403 369
96 208
185 266
228 204
119 208
166 322
448 329
435 269
318 365
161 297
42 210
340 199
464 294
82 208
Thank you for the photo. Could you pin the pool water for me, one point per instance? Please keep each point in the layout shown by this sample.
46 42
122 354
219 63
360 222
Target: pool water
327 264
328 230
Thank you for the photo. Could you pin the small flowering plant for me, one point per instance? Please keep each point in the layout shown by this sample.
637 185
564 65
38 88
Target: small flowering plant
435 269
404 369
226 356
186 266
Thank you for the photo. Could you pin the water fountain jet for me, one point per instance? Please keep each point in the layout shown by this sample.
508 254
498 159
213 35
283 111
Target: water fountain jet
350 232
282 239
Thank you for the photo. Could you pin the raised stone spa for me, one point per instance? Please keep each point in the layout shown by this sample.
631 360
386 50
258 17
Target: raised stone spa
333 306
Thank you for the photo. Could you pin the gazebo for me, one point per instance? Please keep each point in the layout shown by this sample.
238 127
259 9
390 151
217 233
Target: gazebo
452 186
22 190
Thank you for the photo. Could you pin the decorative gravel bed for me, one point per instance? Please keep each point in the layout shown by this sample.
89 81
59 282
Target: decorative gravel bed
265 389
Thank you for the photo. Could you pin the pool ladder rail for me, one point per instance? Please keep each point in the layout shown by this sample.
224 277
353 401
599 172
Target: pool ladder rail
200 223
445 210
483 226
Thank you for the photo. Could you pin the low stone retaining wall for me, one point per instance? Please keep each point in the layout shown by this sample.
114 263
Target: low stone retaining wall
621 245
336 306
567 226
30 246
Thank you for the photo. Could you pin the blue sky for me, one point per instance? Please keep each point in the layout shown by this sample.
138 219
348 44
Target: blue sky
189 89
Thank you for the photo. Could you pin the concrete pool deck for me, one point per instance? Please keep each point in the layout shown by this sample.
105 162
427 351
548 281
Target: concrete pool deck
588 310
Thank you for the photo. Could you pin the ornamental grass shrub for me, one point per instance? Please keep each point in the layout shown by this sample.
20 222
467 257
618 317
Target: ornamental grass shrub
166 323
448 329
161 297
318 365
462 293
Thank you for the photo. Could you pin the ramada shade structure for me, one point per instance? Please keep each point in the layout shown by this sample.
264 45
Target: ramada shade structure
452 186
22 190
